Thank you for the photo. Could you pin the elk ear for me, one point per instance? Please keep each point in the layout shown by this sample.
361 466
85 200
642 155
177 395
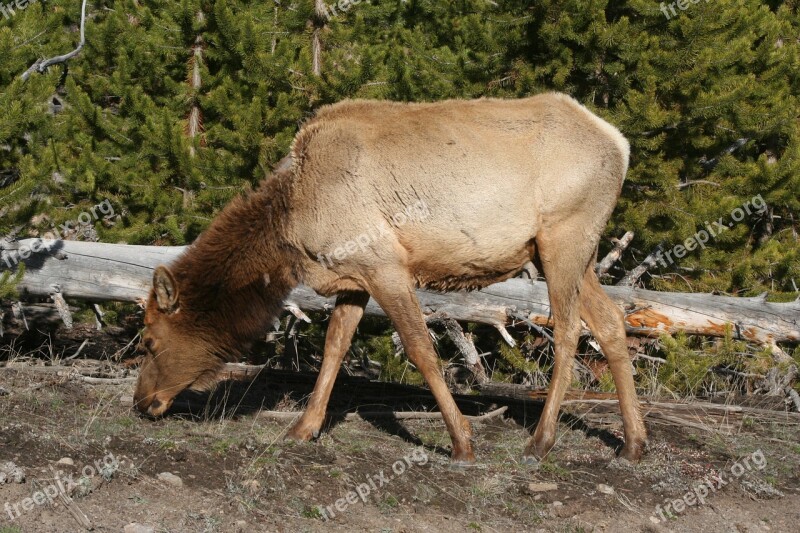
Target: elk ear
166 290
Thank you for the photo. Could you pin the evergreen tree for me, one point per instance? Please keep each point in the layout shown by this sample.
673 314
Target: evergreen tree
708 98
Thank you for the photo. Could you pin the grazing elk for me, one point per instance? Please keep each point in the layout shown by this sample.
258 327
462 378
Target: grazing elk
503 182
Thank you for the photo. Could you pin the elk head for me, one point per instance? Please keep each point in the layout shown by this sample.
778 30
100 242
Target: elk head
179 352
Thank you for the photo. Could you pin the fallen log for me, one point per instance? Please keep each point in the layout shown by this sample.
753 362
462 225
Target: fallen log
99 272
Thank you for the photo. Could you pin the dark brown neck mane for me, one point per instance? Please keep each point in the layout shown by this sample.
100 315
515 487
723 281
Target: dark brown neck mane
234 278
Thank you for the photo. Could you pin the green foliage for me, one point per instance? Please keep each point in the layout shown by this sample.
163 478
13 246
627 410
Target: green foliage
528 363
393 367
689 367
606 382
9 281
685 369
312 512
513 356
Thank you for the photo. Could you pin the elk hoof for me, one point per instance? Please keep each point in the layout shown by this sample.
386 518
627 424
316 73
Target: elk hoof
633 451
459 466
301 434
539 448
462 458
531 461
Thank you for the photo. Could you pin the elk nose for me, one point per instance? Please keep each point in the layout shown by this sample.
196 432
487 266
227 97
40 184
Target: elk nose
159 407
141 404
149 407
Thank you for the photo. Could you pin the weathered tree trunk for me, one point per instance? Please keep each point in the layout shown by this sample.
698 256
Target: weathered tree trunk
101 272
194 123
319 20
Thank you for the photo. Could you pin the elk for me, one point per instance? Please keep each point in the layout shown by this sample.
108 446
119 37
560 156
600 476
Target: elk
503 182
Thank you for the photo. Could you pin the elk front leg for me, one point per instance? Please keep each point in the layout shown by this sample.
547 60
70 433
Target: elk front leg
396 296
344 320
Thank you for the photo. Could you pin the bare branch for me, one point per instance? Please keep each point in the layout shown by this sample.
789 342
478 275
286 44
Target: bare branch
284 416
41 64
793 396
613 256
633 276
463 342
62 307
696 182
709 164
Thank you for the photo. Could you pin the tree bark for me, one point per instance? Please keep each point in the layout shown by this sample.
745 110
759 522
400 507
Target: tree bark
97 272
318 23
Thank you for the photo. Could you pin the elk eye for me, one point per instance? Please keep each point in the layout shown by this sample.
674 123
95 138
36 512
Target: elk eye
149 344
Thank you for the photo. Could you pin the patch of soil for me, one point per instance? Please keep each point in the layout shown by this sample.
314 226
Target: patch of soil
238 474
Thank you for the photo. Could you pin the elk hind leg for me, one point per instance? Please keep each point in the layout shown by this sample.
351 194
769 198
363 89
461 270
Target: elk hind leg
563 265
606 322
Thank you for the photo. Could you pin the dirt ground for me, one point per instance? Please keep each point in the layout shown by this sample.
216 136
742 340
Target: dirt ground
232 470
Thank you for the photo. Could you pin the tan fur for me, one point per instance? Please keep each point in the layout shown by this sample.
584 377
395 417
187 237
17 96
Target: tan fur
502 182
